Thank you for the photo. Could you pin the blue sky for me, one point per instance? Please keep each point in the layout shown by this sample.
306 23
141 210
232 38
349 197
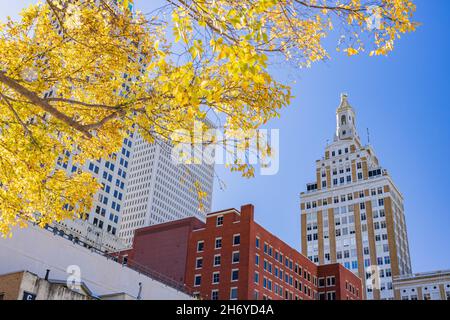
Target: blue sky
404 99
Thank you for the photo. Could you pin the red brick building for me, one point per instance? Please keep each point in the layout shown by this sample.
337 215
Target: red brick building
233 257
338 283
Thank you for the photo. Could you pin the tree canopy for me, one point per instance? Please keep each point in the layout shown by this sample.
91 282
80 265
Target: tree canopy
75 76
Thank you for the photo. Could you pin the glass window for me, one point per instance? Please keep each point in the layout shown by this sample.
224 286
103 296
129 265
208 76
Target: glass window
235 257
236 239
216 277
256 277
197 280
233 294
199 263
321 282
217 260
218 243
331 281
235 275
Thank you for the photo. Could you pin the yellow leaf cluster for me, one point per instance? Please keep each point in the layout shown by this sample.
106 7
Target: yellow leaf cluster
77 76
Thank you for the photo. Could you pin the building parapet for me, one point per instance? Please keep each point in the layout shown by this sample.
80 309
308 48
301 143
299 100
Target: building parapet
415 276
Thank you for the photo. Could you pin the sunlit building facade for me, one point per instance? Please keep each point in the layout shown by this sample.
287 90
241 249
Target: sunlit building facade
353 213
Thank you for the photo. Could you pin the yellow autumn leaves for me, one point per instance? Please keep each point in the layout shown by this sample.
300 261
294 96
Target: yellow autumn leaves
75 78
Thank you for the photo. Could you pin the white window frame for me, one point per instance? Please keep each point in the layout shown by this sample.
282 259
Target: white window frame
234 236
195 278
329 278
215 243
214 260
201 241
212 278
231 278
196 260
237 293
232 257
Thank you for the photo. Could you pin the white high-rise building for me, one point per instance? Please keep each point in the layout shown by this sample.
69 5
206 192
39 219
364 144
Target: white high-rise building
160 190
353 213
141 186
101 225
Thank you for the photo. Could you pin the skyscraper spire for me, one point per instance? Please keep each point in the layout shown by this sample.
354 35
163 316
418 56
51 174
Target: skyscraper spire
344 102
345 120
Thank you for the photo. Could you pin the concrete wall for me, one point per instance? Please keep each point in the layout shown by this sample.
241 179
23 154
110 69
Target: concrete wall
45 290
36 250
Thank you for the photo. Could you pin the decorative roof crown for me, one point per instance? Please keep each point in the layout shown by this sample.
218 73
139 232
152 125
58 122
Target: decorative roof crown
344 103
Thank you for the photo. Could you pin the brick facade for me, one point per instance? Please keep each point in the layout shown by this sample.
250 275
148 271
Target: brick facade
10 285
232 257
169 243
345 286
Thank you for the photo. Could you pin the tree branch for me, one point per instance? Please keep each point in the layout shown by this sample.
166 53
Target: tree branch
85 104
27 131
36 100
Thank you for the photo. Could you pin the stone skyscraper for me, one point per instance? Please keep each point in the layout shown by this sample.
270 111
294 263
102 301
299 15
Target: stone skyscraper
353 213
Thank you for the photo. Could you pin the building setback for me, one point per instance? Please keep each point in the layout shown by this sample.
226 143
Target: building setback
423 286
232 257
353 213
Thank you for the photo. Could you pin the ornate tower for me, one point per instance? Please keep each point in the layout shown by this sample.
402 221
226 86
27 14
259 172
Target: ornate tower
345 121
353 212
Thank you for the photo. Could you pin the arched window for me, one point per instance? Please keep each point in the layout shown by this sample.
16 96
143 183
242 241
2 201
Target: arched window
343 120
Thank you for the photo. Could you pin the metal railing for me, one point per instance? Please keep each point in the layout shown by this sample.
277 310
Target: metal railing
147 271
